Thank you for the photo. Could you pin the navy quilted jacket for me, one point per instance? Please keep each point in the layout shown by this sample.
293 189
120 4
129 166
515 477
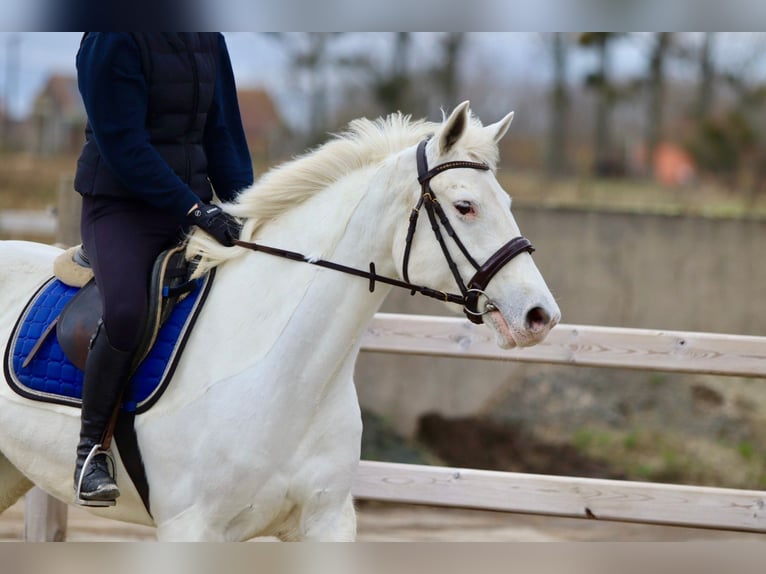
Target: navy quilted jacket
163 119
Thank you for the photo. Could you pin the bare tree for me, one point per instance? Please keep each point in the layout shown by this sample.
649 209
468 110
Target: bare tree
310 59
386 81
447 71
392 87
729 144
12 67
706 76
656 93
556 160
600 80
744 126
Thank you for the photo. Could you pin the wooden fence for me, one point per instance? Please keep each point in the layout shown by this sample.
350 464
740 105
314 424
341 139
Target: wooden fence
650 503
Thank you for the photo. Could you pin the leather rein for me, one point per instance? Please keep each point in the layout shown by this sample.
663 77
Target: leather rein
469 292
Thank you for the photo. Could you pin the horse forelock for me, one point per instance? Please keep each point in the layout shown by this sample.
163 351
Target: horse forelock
364 143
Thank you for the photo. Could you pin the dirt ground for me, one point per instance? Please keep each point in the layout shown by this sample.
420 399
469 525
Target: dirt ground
379 522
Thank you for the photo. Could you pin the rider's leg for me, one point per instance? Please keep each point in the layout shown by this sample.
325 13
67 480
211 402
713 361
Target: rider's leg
107 371
122 239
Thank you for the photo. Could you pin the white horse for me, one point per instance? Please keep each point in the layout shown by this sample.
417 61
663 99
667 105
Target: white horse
259 431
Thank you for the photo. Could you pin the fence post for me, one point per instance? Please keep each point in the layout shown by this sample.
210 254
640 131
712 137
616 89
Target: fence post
68 206
45 517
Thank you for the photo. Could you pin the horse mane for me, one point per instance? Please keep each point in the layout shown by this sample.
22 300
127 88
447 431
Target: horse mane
364 143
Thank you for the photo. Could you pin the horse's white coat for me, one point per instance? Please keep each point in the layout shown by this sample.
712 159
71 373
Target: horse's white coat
259 432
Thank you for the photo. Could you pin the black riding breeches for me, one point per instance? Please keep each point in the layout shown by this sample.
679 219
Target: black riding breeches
122 239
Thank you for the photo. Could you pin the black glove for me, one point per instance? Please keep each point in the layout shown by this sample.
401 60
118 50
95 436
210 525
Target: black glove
211 218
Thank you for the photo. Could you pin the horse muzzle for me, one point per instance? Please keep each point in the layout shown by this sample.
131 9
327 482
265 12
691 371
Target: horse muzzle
522 329
478 283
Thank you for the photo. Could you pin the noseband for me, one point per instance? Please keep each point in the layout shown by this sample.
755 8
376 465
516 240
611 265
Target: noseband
471 291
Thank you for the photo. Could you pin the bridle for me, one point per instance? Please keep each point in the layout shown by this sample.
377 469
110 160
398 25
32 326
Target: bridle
475 287
471 291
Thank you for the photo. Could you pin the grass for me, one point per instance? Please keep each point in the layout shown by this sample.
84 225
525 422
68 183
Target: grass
30 182
746 450
654 456
631 195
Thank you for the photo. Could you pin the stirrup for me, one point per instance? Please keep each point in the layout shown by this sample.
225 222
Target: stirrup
96 450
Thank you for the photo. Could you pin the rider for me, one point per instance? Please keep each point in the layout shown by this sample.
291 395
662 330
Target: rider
164 132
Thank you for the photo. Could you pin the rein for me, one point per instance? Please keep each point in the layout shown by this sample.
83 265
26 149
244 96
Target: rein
371 275
470 292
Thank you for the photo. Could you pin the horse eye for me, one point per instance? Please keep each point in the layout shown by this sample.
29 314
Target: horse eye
464 207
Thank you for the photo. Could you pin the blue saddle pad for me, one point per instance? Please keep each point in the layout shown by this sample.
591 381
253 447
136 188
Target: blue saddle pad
51 377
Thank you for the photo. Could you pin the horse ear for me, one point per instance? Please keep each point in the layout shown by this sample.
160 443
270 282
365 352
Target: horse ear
498 129
453 128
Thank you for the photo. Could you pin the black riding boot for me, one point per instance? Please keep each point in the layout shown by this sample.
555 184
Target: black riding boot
107 371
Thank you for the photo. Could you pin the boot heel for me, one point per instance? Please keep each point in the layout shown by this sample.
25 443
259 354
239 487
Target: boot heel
95 503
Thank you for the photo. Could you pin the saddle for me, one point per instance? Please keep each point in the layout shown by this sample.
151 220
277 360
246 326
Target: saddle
78 321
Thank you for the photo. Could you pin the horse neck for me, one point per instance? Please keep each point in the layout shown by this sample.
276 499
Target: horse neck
352 223
294 310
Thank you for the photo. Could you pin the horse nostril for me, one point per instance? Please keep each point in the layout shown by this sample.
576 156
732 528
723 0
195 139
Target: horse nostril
537 319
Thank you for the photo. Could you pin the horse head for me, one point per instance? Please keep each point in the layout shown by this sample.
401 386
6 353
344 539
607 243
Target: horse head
470 238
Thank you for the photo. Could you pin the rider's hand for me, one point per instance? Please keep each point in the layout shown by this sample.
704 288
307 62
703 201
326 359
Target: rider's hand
223 227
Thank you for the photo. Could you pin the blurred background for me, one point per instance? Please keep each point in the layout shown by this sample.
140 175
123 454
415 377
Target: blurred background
672 109
637 167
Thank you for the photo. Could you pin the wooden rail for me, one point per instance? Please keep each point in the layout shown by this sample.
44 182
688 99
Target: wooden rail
583 345
651 503
617 500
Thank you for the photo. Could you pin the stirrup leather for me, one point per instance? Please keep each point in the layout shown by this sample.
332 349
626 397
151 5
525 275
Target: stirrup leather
96 450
